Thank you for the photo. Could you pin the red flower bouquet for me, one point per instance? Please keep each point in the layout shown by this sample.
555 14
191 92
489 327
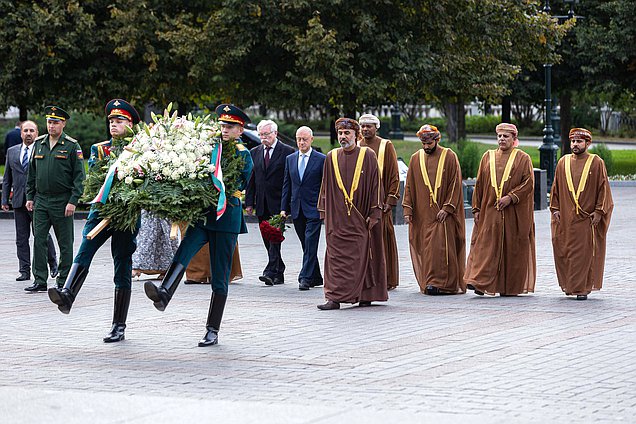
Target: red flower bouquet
272 229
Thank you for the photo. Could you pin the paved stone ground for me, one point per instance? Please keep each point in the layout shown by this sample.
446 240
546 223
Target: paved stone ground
469 359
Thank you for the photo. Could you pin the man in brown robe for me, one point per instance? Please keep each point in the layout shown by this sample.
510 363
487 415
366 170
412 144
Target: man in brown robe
390 194
502 250
434 209
581 205
351 207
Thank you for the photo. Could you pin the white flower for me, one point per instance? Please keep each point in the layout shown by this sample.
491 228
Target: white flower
128 180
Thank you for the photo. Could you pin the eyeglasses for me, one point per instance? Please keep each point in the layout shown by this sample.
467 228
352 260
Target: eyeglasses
267 134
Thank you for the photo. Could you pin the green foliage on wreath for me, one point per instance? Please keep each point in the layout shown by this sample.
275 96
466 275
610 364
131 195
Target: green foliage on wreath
184 200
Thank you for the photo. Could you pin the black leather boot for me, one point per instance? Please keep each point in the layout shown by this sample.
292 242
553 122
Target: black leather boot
65 296
215 314
162 294
120 313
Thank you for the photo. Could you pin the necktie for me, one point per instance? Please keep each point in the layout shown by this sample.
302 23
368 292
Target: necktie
25 159
267 151
301 167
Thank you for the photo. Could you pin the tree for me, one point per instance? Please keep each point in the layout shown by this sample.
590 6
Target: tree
45 49
481 47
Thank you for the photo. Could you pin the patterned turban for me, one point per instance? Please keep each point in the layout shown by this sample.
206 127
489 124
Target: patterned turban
580 133
505 127
429 131
347 124
367 118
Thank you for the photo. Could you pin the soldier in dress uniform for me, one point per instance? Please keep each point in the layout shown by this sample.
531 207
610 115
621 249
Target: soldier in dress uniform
54 186
221 234
121 117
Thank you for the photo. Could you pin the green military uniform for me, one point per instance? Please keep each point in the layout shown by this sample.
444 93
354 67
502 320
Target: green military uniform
221 234
123 243
55 179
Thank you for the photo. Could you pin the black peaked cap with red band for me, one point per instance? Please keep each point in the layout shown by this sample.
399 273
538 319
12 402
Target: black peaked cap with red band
120 108
231 114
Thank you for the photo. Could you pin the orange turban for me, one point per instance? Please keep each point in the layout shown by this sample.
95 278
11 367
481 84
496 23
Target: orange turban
430 131
580 133
506 127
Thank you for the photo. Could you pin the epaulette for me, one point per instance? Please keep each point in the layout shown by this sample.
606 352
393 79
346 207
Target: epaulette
240 147
40 137
71 139
101 143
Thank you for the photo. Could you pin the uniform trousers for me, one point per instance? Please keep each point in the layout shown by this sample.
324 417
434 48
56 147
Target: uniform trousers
122 246
221 246
49 212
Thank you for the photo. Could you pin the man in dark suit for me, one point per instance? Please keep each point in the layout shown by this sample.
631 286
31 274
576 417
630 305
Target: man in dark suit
13 137
15 177
301 187
263 192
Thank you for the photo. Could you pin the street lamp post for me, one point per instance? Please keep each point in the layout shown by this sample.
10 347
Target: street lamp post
396 118
548 149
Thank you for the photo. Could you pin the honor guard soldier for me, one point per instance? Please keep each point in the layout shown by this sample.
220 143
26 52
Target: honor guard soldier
54 186
221 233
121 117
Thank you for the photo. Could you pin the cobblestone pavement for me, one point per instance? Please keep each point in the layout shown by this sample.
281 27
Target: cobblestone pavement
469 359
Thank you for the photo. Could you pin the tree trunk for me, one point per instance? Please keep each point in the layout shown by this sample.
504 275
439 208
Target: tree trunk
333 134
566 121
461 119
455 114
23 113
506 109
450 113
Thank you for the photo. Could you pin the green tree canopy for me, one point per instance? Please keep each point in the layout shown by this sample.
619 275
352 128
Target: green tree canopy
283 54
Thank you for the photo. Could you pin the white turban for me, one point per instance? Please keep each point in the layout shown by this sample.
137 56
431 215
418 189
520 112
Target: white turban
367 118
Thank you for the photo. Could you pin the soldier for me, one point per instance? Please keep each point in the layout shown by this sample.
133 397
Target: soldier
54 186
121 117
221 234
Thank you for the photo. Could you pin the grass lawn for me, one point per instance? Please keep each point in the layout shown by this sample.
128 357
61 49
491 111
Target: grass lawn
624 160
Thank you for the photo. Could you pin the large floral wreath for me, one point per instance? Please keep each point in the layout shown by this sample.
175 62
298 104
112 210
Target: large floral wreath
177 168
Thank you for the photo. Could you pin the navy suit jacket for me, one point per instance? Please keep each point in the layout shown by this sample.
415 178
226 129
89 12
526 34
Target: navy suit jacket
15 177
302 195
265 185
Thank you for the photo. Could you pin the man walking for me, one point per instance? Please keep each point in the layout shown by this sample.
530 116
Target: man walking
390 194
54 186
301 187
263 194
502 253
221 234
581 205
15 178
434 209
121 117
350 204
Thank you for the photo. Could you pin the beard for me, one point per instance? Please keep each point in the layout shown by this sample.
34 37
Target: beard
429 150
345 144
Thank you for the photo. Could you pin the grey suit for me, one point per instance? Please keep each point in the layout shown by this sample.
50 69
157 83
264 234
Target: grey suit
15 177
